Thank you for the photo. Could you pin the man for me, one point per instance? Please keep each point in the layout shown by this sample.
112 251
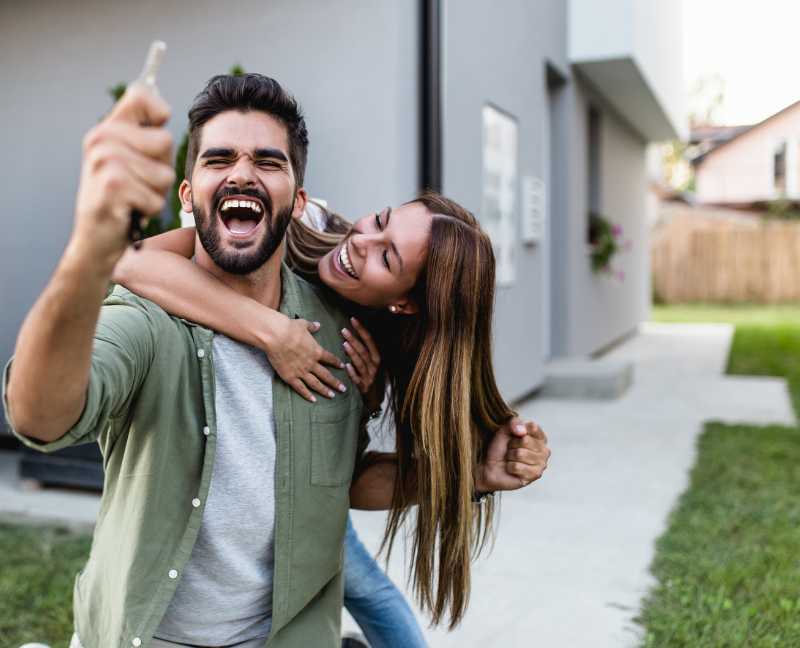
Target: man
194 427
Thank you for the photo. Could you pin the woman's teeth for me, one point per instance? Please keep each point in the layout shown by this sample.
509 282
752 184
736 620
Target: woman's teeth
344 261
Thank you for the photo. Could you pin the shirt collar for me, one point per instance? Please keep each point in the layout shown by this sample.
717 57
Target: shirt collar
291 303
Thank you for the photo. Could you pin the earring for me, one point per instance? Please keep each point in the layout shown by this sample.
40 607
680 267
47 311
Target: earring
393 309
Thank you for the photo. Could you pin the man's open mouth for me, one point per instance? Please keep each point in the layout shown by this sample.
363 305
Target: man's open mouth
344 262
241 217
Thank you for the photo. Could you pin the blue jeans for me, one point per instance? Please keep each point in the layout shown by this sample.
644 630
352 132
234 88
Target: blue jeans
374 601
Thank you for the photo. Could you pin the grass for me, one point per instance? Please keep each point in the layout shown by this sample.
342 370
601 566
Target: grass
733 314
728 566
38 565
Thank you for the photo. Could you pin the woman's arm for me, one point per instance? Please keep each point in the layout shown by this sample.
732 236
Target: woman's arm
162 272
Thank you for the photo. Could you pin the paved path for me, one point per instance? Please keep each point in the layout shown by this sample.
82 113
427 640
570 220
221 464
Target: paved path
570 562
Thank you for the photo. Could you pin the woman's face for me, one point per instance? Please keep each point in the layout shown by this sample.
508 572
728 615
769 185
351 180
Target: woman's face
379 260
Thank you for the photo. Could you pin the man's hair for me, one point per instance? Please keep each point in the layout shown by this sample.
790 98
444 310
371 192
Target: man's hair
243 93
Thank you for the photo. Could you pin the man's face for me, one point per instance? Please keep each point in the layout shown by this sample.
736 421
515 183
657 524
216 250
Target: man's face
242 190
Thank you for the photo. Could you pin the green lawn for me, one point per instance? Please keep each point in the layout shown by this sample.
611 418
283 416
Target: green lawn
728 567
37 569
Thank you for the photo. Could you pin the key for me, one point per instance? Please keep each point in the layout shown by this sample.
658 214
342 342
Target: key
146 78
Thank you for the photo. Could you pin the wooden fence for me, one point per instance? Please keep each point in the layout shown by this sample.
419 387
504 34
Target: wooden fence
700 259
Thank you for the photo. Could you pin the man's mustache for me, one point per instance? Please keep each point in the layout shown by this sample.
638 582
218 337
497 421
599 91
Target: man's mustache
227 192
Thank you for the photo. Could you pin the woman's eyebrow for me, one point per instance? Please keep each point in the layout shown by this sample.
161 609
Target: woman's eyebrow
394 247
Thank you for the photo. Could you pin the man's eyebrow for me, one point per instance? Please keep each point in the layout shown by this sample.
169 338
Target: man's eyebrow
270 153
218 152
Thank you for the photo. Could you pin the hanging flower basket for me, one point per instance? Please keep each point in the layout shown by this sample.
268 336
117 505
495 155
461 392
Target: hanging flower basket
605 242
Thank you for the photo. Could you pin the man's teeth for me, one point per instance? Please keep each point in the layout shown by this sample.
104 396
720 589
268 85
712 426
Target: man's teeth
345 260
242 204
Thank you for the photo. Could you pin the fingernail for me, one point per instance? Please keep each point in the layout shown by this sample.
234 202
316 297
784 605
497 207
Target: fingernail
317 324
349 367
355 321
345 332
331 394
313 398
520 428
342 388
347 346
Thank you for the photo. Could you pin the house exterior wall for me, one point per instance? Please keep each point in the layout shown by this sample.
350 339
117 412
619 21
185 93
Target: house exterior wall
742 170
353 64
487 70
591 311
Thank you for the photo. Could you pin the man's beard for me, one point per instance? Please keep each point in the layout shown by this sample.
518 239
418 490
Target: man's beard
251 257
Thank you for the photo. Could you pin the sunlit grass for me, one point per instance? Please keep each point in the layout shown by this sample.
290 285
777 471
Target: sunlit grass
38 566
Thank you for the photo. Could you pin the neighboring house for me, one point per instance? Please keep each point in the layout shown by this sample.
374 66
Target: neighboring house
531 113
748 166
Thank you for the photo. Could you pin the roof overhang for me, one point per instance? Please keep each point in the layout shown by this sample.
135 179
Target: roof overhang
624 87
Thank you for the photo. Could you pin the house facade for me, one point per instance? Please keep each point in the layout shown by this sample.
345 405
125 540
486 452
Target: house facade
755 165
531 113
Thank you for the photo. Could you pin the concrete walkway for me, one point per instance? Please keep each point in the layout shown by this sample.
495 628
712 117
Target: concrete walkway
570 563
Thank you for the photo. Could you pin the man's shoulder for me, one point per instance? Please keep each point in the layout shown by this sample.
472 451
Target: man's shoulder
123 308
315 303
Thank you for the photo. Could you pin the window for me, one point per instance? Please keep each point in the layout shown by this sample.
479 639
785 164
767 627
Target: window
779 167
500 189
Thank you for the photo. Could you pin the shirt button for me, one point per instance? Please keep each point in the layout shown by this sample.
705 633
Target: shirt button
206 430
137 642
173 573
195 502
200 353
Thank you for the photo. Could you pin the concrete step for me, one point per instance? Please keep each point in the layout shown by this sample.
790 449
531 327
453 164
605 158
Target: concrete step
586 378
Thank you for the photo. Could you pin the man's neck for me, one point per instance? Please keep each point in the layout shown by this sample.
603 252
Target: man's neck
263 285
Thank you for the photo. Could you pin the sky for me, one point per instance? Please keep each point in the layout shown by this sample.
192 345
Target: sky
754 45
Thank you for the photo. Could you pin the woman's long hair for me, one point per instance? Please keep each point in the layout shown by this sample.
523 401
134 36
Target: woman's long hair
444 398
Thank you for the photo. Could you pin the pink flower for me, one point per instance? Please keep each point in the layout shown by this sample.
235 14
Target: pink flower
627 245
620 276
616 231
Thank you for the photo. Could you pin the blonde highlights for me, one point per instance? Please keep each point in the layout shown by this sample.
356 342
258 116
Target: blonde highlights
444 398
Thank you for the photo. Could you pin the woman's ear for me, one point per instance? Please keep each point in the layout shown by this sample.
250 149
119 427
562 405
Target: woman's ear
300 201
185 194
403 307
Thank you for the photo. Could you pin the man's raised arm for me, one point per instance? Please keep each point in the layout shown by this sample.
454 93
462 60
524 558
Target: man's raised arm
125 167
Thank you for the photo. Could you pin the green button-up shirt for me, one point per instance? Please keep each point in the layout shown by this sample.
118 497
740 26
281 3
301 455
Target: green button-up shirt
150 405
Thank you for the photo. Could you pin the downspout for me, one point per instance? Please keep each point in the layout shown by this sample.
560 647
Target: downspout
431 104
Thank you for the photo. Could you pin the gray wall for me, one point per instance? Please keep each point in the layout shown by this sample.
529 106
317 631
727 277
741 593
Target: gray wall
592 311
353 64
496 53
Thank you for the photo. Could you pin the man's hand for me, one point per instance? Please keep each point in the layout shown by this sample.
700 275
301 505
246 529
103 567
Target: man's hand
125 167
516 456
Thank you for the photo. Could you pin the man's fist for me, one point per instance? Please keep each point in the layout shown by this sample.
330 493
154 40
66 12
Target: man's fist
126 166
516 456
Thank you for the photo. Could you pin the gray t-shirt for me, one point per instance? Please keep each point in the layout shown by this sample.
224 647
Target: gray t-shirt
225 593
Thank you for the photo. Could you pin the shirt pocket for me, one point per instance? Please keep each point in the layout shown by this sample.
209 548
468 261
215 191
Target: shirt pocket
334 435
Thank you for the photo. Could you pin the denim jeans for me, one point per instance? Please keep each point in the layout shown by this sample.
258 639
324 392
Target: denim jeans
374 601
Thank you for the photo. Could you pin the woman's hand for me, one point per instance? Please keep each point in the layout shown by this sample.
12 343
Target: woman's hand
517 456
296 357
366 362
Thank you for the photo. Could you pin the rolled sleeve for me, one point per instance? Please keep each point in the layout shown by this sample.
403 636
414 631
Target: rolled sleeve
121 356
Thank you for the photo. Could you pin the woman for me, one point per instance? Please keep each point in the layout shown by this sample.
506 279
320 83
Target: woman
421 279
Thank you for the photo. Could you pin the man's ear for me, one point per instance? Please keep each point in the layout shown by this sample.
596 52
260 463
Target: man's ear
300 202
185 194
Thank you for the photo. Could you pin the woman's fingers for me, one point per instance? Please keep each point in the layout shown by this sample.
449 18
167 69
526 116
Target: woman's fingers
300 388
357 381
327 377
368 341
328 358
358 360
